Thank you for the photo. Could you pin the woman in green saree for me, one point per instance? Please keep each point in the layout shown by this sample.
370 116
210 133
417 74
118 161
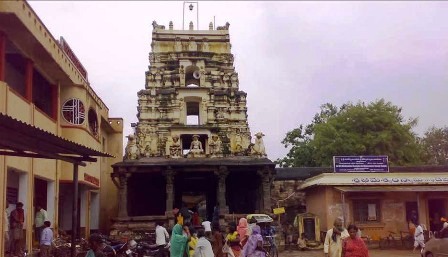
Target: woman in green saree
179 241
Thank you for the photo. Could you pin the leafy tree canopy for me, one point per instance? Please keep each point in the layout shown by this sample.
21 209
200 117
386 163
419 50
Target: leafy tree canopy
377 128
435 145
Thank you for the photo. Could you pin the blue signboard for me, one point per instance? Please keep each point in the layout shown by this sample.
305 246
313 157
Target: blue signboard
360 163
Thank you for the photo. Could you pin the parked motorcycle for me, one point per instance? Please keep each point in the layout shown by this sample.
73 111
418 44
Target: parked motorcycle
144 249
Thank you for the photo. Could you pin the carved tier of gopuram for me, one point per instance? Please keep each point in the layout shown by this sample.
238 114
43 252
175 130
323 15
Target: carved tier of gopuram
192 145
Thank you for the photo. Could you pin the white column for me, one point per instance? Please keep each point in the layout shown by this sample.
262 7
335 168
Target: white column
51 191
23 192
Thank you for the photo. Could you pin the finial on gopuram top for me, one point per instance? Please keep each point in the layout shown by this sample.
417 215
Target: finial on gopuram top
210 26
191 27
171 25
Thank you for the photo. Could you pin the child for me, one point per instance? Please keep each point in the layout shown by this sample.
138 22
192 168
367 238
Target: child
301 242
45 240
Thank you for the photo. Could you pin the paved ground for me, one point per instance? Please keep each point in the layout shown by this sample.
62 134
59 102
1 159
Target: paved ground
372 253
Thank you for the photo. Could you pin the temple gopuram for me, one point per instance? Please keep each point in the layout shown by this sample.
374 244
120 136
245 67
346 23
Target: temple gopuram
192 145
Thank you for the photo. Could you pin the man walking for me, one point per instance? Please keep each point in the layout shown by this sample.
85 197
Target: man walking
45 240
333 239
41 217
16 224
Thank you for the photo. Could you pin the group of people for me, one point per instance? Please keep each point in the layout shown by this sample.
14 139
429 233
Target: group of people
13 225
242 240
344 242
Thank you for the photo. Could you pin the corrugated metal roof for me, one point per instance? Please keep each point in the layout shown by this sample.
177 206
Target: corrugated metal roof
21 139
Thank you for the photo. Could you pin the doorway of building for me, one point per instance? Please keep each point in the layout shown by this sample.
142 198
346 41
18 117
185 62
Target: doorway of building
437 209
197 192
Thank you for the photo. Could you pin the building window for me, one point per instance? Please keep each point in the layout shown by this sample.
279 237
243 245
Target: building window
193 113
42 93
73 111
93 121
366 210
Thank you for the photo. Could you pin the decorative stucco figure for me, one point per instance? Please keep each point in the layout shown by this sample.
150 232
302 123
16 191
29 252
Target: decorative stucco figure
215 146
196 147
258 148
175 149
131 150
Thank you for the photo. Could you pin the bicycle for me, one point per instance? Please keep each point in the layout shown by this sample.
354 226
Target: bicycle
389 241
269 243
407 240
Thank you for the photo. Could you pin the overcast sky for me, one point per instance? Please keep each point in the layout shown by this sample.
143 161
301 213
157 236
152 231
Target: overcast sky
291 57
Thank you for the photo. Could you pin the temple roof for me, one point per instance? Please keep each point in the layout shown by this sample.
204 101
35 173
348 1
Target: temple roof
224 161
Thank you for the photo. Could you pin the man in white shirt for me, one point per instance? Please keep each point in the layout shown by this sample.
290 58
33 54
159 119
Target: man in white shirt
46 240
41 217
162 237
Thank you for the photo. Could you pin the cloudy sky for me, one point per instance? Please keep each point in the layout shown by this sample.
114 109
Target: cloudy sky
291 56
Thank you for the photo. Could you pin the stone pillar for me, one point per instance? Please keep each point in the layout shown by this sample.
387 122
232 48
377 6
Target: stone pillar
222 174
169 176
122 184
266 180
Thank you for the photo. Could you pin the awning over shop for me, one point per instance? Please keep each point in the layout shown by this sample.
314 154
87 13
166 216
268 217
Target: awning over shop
409 188
21 139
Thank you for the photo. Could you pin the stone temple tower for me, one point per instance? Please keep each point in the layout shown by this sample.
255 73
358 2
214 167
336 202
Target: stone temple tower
192 144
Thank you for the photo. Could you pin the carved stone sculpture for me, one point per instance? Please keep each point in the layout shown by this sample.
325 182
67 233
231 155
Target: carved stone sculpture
205 46
131 150
258 148
178 45
175 149
192 46
215 146
196 149
238 143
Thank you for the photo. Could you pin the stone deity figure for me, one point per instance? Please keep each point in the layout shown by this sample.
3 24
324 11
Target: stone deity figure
178 45
192 46
205 46
196 147
175 148
131 150
215 146
258 148
238 143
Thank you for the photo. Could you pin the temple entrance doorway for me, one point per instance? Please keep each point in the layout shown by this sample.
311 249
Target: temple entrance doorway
146 194
197 191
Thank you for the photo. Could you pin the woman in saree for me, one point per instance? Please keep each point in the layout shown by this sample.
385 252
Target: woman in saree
254 245
233 239
243 231
179 242
354 246
218 240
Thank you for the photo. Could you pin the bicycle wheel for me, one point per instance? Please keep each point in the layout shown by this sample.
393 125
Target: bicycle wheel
384 243
408 243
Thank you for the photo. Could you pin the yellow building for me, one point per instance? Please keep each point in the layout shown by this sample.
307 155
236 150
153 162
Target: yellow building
44 85
380 202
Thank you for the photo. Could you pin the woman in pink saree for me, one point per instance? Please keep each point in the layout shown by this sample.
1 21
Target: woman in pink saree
354 246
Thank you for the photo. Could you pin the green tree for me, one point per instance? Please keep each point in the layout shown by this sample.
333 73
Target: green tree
377 128
435 145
